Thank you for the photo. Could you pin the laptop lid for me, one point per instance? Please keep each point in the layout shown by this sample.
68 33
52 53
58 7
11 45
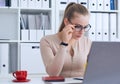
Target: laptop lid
103 64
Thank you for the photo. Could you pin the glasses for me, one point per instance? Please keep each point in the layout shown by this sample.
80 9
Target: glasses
80 27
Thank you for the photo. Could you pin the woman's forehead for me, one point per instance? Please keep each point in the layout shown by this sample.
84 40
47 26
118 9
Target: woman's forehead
80 19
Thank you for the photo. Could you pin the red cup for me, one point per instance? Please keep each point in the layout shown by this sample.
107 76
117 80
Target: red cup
20 75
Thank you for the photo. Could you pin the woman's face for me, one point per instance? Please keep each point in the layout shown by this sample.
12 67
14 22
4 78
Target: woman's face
79 20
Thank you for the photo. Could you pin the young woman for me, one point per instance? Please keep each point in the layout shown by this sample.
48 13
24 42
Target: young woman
65 53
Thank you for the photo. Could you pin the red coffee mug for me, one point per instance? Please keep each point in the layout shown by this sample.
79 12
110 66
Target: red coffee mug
20 75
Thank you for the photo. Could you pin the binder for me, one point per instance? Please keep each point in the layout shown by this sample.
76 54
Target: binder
92 31
105 27
39 26
46 24
31 3
93 5
24 27
62 4
30 52
83 2
38 3
106 5
99 26
24 35
113 27
32 27
4 58
23 3
14 3
100 4
45 4
2 3
112 5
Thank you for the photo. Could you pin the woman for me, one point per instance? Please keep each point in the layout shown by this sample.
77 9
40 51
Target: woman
65 53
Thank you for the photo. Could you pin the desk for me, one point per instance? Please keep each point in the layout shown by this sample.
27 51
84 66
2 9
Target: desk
37 80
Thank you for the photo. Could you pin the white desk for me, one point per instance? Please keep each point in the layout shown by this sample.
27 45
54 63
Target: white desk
38 80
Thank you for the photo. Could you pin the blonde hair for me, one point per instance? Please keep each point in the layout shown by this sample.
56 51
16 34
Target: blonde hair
70 10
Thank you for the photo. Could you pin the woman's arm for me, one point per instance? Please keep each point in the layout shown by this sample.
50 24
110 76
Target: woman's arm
53 64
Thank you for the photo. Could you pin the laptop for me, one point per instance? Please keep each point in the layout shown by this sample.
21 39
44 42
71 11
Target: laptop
103 64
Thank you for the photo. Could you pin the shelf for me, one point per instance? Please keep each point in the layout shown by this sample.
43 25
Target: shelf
9 9
34 10
30 41
99 11
8 41
104 11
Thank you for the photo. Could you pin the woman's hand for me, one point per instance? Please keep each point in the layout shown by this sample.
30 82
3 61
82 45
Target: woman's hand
67 33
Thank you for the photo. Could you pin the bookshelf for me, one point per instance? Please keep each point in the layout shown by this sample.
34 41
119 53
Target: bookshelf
19 57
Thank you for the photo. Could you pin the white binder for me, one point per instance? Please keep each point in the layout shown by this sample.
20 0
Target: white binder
93 26
113 27
14 3
23 3
38 3
24 35
31 59
106 4
32 27
4 58
99 26
62 4
105 26
83 2
45 3
31 3
100 4
92 4
72 1
39 26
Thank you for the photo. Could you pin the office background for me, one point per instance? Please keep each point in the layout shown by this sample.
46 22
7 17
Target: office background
24 22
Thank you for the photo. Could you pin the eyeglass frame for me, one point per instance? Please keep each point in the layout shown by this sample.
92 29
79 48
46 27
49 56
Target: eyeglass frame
81 27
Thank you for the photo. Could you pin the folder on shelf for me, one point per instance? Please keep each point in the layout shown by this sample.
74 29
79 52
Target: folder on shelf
32 27
105 27
62 4
72 1
4 58
24 27
39 26
31 51
113 27
99 26
14 3
38 3
83 2
45 3
106 5
46 24
31 3
100 4
93 5
23 3
2 3
92 31
112 5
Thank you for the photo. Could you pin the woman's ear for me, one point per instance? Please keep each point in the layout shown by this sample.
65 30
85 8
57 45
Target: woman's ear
66 22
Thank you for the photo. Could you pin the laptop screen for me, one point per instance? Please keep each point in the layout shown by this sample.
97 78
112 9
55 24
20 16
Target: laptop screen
103 64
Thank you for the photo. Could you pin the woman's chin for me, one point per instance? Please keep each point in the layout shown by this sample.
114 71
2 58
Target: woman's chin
77 37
